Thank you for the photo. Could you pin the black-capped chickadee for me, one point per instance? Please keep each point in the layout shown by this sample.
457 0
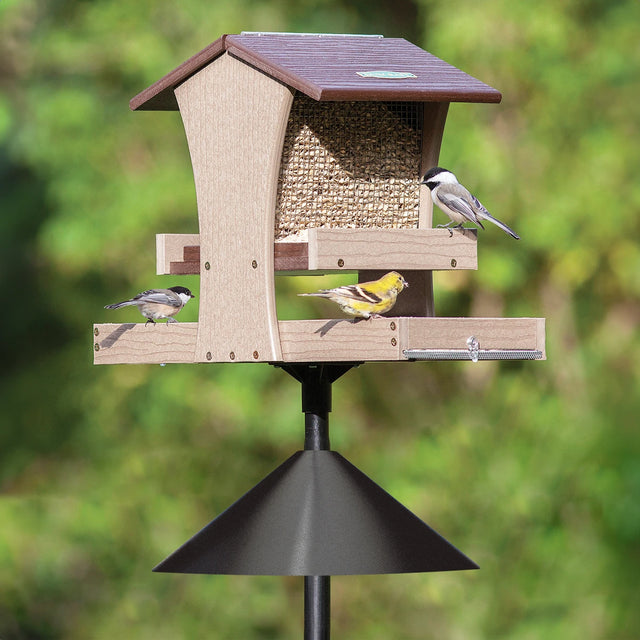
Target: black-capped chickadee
457 202
158 303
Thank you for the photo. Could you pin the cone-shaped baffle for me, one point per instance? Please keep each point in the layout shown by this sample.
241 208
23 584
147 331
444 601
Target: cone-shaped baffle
316 514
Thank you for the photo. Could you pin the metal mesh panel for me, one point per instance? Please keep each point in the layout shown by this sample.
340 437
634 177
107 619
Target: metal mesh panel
349 164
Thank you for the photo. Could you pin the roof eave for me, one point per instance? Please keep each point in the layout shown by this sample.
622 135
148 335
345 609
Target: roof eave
160 96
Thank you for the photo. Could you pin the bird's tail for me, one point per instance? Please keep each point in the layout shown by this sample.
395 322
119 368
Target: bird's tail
503 226
319 294
117 305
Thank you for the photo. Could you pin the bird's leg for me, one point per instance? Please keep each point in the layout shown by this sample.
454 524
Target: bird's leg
446 226
149 320
458 226
171 320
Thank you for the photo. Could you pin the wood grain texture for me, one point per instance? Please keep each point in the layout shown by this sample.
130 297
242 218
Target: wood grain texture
325 68
235 118
329 340
180 255
291 256
411 249
384 339
492 333
137 343
339 340
170 249
434 119
434 116
359 249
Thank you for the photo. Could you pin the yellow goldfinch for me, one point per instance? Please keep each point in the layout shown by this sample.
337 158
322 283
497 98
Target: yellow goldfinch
367 299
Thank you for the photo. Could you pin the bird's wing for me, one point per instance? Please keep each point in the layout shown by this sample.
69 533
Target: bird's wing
479 207
459 203
160 297
355 292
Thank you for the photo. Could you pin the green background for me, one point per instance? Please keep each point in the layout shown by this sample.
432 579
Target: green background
532 469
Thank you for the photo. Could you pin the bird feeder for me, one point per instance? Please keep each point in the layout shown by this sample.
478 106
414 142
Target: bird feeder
307 152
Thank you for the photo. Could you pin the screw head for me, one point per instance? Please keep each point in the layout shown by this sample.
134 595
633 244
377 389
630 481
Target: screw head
454 262
341 263
95 331
232 355
209 356
394 342
96 347
254 264
207 266
256 355
392 326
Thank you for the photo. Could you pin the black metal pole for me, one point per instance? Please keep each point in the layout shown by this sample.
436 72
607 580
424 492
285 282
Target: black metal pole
316 404
317 607
316 380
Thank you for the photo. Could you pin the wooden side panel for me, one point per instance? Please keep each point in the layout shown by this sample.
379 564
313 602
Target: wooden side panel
384 339
135 343
491 333
339 340
433 121
376 249
434 118
235 119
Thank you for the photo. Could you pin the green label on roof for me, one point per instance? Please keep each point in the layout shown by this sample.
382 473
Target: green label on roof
387 75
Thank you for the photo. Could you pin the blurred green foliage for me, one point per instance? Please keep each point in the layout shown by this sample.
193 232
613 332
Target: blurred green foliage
532 469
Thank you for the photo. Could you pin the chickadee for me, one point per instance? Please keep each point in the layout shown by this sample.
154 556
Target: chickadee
158 303
457 202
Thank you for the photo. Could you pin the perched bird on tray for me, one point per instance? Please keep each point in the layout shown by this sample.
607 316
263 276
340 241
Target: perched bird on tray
457 202
156 304
367 299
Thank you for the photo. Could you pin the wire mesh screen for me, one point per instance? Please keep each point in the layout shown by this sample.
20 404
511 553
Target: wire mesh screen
349 164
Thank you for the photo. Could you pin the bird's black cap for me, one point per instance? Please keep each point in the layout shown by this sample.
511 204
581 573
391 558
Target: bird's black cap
432 173
182 290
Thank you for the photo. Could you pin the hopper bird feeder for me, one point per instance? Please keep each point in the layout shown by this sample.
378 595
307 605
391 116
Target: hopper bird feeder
307 151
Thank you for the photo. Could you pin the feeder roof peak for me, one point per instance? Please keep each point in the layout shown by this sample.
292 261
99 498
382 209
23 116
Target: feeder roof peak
332 67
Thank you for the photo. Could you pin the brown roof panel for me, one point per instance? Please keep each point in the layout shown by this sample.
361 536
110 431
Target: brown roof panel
330 67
